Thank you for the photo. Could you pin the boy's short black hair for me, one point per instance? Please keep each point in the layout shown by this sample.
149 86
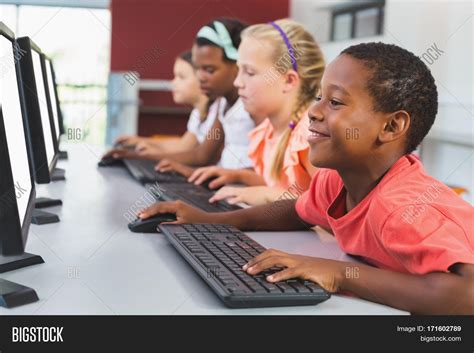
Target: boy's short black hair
400 81
233 26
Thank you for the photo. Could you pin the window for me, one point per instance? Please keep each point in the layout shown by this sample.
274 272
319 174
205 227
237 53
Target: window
357 20
78 42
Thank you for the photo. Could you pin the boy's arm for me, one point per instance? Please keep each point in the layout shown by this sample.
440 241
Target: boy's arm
186 142
280 215
433 293
206 152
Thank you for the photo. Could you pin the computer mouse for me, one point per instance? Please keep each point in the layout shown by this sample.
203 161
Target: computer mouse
149 225
109 161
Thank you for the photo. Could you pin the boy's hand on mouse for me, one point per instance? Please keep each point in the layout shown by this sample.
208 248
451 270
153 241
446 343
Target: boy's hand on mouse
184 213
327 273
168 165
251 195
223 176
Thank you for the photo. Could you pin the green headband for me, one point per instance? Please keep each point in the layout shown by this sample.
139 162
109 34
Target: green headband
220 36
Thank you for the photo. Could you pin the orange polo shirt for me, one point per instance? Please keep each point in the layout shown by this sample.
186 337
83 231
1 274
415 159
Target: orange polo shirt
410 222
262 149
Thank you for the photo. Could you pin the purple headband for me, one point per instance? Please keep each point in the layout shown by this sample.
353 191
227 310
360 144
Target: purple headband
288 45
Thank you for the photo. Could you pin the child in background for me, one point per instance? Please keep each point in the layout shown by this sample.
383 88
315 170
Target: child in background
214 57
377 103
186 91
280 70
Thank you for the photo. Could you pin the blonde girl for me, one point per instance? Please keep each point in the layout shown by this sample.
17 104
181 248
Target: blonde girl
280 69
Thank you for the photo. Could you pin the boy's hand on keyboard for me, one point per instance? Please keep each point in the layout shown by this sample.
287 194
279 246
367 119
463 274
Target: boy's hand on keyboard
168 165
129 140
148 148
119 153
222 176
122 153
184 213
327 273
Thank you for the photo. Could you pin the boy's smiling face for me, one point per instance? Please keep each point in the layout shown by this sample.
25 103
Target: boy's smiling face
344 129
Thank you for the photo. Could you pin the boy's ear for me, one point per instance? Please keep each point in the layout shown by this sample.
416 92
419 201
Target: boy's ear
292 80
396 126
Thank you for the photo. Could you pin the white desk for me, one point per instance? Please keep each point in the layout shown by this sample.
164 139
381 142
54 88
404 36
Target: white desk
94 265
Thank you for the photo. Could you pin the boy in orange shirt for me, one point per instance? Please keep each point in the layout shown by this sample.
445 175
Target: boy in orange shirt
377 103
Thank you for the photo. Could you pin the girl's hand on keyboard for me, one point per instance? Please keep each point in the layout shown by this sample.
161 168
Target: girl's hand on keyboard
223 176
327 273
251 195
184 213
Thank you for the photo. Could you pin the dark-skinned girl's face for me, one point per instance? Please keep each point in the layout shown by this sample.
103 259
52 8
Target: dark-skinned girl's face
344 127
216 75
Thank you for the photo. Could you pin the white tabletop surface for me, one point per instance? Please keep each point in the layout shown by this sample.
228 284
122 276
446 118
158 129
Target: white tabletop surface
95 266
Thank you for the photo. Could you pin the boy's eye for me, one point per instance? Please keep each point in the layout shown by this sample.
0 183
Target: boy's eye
333 102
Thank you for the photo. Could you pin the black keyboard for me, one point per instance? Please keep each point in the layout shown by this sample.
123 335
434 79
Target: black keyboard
218 252
144 171
195 195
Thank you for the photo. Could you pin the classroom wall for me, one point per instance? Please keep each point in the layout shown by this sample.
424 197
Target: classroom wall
148 35
448 151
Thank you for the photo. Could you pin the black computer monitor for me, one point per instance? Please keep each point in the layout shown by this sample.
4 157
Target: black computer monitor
53 87
17 187
51 95
60 112
54 100
41 126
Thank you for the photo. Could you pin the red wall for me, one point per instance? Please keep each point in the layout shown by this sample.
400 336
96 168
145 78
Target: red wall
148 35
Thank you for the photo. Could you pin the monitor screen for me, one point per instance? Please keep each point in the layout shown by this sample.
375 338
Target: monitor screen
52 94
14 129
45 122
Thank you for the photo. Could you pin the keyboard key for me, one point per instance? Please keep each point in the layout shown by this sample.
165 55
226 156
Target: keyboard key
285 287
236 291
315 288
300 287
270 287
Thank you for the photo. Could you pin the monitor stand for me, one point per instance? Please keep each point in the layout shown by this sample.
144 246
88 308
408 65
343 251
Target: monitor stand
14 262
43 217
13 294
63 155
58 174
43 202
